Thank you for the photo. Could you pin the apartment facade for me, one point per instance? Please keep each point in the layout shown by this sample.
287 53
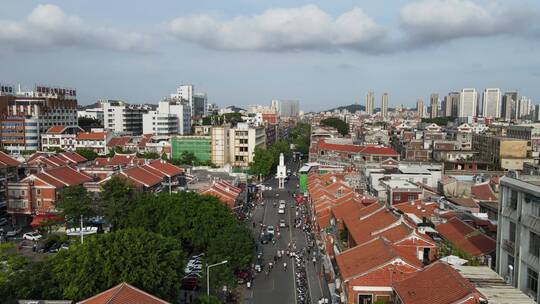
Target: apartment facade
468 101
370 102
286 108
434 105
242 143
121 117
504 152
220 145
172 117
491 103
518 233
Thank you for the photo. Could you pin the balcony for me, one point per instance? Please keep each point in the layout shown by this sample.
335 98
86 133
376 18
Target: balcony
509 246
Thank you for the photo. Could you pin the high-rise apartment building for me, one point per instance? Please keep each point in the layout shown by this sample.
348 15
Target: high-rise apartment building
220 145
434 105
420 108
384 105
518 233
468 101
370 102
172 117
242 143
286 108
121 117
25 115
198 102
453 99
491 103
523 108
508 105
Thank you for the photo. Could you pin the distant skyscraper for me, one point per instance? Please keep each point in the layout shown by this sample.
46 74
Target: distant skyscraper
508 105
454 98
434 104
370 102
491 101
536 116
523 108
286 108
468 101
384 105
420 108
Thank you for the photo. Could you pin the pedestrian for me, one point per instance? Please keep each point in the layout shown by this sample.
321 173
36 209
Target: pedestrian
253 225
314 260
284 265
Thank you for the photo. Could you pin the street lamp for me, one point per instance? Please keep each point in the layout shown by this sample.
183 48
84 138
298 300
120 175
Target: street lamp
208 275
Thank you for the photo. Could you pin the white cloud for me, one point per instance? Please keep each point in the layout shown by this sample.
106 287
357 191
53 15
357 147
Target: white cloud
49 27
434 21
303 28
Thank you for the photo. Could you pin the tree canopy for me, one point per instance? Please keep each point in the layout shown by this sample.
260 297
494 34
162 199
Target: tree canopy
75 201
341 126
300 136
147 260
440 121
87 153
118 197
201 224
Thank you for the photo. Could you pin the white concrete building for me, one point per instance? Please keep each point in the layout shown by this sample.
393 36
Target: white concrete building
384 105
242 143
172 117
491 103
121 117
468 101
94 113
60 137
370 102
198 102
518 233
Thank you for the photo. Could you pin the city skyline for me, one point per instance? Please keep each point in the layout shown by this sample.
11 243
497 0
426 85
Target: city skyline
351 46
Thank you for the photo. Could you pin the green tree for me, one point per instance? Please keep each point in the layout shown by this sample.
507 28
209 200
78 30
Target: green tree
10 262
147 260
88 122
341 126
148 155
263 160
75 201
202 224
87 153
188 158
56 150
204 299
118 197
300 136
440 121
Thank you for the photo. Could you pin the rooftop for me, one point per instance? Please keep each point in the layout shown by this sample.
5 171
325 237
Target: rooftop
492 286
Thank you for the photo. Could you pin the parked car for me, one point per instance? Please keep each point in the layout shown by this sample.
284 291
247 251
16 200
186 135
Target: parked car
190 283
265 239
270 230
13 233
3 221
32 236
281 211
281 204
282 223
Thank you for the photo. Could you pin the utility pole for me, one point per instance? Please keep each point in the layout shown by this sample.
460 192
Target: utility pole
82 235
208 275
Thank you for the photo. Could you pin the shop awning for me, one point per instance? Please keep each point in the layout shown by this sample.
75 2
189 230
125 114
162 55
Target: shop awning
38 219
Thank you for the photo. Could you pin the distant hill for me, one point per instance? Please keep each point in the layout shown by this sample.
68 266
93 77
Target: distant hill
351 108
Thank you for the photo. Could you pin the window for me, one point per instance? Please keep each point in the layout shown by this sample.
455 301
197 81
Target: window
512 232
513 199
532 281
382 299
534 244
411 197
365 299
397 197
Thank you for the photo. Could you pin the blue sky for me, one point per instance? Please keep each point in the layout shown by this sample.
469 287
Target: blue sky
324 53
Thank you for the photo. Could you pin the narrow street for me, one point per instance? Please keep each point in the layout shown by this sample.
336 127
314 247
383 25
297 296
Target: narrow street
279 285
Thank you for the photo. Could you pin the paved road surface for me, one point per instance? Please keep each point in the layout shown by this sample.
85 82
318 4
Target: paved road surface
279 285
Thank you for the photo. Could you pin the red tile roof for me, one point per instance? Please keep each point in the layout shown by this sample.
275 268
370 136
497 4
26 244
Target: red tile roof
363 230
7 161
74 157
419 208
56 129
119 141
166 167
123 293
322 144
464 202
483 192
466 237
437 283
374 150
92 136
142 177
224 191
62 176
366 257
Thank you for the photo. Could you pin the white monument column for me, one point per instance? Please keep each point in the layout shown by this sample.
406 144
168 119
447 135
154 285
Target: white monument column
281 172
